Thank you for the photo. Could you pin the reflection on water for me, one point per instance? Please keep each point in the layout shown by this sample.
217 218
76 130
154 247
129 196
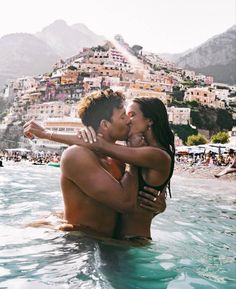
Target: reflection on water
193 241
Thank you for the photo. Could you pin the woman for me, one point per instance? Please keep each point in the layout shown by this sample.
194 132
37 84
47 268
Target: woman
151 149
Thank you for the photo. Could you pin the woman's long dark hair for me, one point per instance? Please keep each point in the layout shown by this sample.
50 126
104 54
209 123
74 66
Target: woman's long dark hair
155 110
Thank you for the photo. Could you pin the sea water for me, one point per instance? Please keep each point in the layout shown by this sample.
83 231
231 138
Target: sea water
193 240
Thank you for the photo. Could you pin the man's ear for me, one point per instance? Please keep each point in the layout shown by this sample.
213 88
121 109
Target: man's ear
104 124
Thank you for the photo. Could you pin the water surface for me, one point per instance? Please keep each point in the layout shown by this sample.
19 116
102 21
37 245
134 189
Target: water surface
193 241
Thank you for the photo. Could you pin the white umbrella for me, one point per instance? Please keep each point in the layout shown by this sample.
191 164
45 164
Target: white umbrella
219 147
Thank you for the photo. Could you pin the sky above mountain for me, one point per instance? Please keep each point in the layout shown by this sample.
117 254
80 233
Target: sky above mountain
169 26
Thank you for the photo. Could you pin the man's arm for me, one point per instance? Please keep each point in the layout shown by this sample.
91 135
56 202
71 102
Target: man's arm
82 167
32 128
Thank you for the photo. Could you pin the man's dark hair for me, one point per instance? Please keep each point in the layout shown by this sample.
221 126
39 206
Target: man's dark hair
98 106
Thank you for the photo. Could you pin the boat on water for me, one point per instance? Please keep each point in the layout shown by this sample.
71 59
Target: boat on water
53 164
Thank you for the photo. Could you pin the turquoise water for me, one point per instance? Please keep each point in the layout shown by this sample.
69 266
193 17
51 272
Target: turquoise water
193 241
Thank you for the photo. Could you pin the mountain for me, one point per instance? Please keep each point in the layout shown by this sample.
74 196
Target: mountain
216 57
173 56
67 40
24 54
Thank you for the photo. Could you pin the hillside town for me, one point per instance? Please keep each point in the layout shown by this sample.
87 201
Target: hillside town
52 98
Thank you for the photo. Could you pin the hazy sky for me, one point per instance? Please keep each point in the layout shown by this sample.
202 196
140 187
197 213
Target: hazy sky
157 25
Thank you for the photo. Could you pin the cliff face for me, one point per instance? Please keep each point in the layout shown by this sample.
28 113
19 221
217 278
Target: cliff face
216 57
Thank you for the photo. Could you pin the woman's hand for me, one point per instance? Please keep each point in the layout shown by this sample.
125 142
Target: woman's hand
87 134
136 140
152 200
88 137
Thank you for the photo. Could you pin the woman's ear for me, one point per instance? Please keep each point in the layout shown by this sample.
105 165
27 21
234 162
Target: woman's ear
150 122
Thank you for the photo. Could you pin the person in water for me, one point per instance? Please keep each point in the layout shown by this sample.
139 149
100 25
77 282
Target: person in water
154 159
83 164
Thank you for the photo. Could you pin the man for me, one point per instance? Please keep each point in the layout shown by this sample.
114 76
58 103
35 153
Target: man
94 187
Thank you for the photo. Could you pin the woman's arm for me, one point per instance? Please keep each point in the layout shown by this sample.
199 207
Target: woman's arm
137 153
147 156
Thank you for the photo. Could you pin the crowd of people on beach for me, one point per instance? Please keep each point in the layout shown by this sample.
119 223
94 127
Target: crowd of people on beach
34 157
210 160
206 158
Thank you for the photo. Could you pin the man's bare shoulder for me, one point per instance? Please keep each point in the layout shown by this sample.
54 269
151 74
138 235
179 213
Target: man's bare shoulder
74 153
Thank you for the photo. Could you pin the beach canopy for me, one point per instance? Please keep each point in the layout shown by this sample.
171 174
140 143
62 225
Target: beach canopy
22 150
217 148
231 146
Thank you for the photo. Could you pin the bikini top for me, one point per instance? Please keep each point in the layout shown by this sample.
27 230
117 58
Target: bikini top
142 183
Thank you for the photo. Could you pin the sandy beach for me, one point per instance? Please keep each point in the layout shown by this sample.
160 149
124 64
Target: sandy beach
201 171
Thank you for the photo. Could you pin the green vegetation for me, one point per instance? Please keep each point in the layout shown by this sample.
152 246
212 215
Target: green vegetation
183 131
177 94
137 49
220 137
189 83
224 119
211 119
196 140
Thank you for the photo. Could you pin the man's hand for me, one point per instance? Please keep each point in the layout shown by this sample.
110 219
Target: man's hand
32 128
152 200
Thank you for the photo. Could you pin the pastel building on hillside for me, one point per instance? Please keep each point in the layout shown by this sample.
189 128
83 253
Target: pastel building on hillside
204 96
179 115
42 111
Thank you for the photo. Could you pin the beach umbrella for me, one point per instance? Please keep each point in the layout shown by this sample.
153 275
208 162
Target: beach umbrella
219 147
231 146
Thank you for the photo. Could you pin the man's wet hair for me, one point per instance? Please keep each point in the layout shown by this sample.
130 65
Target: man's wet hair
99 106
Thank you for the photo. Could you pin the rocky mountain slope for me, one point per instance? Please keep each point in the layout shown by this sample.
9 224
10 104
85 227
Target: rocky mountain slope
216 57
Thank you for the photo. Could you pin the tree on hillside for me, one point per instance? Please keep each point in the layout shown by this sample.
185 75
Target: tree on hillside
183 131
196 140
136 49
224 119
220 137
